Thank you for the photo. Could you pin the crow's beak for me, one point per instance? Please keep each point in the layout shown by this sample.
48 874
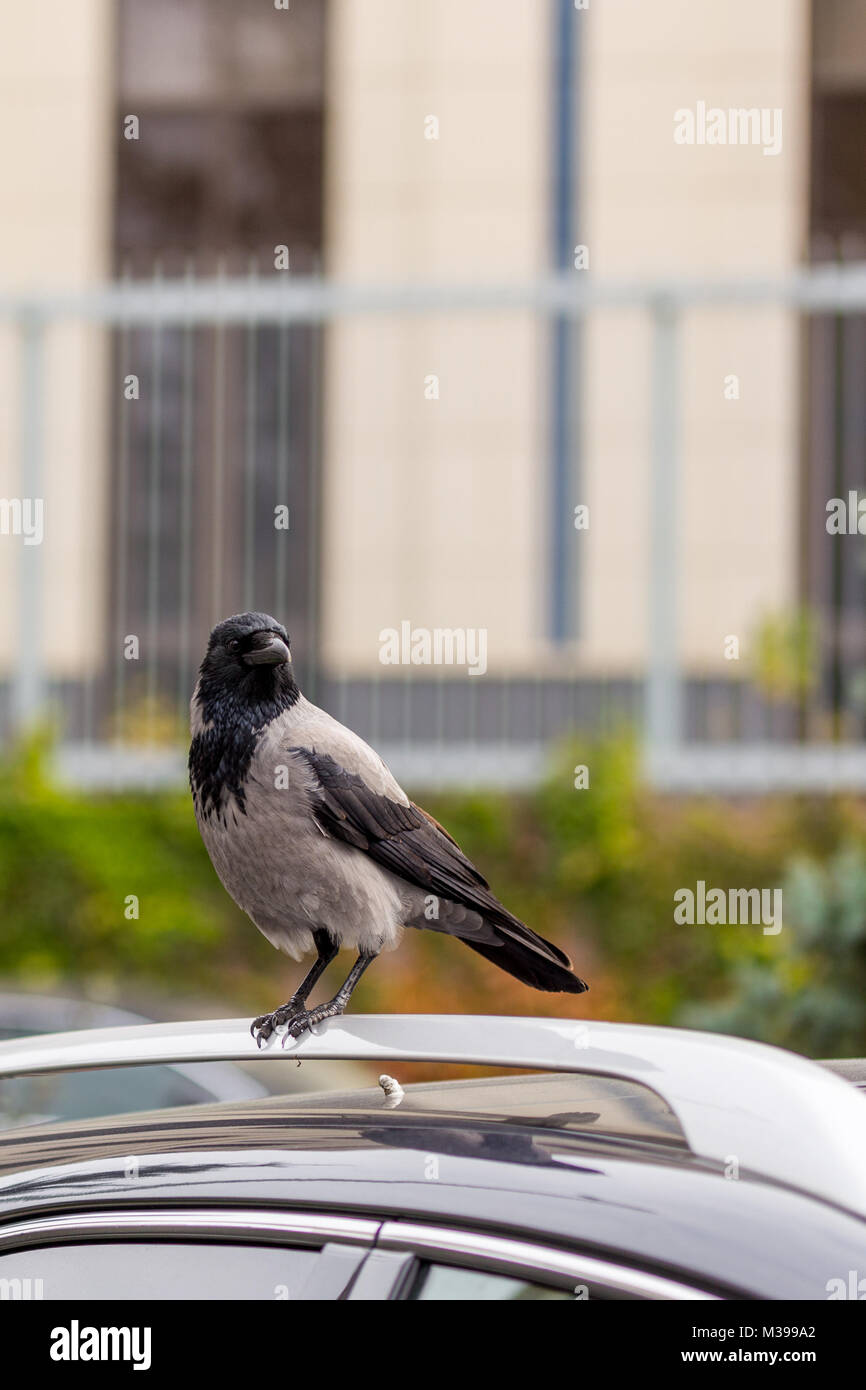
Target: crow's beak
267 650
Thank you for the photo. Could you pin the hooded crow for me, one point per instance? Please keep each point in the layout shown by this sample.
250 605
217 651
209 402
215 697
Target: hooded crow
316 841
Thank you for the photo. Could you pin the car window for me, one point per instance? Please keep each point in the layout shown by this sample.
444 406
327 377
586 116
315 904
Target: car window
90 1094
174 1270
449 1282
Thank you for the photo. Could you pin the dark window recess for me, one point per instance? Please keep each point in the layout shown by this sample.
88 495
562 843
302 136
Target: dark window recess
219 185
833 567
838 186
228 95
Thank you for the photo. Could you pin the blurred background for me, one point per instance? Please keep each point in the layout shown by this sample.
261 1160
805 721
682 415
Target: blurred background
385 316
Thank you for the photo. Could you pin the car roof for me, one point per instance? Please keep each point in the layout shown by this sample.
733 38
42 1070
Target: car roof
577 1109
588 1108
785 1121
514 1155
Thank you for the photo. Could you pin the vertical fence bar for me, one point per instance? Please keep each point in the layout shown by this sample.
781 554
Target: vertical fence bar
250 425
184 665
122 570
217 558
28 696
564 328
836 553
854 575
154 487
440 717
313 514
282 471
663 696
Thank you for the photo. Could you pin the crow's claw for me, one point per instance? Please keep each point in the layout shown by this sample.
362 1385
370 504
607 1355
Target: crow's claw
261 1029
264 1027
308 1018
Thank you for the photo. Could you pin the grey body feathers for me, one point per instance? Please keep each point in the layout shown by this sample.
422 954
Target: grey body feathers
287 873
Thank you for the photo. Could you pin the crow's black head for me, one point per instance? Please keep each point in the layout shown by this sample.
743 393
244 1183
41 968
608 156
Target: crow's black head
248 639
247 665
245 681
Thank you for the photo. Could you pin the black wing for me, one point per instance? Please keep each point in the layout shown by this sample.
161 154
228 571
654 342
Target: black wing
414 846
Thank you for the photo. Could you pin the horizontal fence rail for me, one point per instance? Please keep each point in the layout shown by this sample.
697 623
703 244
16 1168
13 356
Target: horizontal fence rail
831 289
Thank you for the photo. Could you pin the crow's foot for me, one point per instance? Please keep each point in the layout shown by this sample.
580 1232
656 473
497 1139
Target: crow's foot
264 1027
310 1017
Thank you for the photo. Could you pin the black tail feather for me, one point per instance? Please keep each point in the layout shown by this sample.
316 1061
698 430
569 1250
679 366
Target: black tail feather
530 966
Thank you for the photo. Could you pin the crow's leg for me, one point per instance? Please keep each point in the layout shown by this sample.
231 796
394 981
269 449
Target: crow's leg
301 1022
262 1027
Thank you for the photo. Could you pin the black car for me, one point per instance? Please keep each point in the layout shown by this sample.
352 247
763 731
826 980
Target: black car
642 1164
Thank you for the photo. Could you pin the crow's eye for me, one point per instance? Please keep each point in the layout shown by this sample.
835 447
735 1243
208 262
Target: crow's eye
234 645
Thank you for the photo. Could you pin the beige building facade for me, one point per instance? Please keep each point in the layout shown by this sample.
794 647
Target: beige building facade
56 144
436 463
438 511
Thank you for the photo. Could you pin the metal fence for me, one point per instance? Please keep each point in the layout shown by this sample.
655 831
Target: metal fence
227 425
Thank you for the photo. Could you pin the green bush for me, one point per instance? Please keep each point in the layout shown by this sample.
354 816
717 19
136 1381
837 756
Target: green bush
70 865
811 994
